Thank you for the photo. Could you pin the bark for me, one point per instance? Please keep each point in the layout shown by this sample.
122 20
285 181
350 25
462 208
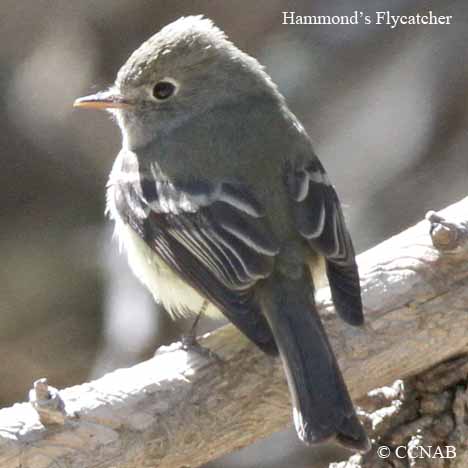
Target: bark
420 422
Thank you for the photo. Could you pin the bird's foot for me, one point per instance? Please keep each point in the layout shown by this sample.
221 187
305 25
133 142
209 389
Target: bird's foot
191 344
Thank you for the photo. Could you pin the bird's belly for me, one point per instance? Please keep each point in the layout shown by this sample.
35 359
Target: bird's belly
177 297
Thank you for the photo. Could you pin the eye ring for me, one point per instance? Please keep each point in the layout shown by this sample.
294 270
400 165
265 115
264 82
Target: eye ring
164 89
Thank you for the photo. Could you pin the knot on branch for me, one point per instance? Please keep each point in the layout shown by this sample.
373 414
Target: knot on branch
47 402
446 236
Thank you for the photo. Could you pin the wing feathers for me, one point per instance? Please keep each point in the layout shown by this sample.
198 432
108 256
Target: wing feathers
215 236
319 219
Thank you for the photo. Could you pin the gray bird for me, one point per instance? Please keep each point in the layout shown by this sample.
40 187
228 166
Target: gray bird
223 207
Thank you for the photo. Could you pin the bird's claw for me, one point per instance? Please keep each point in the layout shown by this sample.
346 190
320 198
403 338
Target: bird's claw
191 344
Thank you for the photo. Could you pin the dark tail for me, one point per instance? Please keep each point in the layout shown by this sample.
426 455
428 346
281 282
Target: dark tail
322 407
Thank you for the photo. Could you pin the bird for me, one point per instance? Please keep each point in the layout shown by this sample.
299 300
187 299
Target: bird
224 208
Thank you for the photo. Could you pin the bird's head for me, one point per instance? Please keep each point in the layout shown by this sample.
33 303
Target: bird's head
186 69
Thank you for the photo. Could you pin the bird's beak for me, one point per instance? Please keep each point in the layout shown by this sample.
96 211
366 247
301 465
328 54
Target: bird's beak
103 100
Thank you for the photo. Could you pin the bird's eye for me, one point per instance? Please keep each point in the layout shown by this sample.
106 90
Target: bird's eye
163 90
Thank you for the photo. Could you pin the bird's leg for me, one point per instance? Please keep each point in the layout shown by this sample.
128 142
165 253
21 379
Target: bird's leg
189 340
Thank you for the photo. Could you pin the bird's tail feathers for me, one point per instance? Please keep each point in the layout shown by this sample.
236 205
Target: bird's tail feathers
322 406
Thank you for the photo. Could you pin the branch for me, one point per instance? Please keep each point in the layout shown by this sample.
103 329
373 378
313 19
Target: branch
420 421
180 409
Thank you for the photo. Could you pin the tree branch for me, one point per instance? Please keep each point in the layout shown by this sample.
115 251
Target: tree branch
181 409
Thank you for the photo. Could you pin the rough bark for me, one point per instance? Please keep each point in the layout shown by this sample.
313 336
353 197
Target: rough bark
420 422
180 409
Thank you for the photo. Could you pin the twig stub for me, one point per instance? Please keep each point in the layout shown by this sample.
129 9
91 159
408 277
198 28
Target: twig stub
47 402
446 235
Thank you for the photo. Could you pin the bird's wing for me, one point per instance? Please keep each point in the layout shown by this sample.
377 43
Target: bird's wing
319 219
213 235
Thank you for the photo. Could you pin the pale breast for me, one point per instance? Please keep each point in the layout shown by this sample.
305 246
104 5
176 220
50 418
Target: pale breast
177 297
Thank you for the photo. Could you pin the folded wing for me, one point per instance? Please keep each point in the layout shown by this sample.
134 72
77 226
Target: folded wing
213 235
320 220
